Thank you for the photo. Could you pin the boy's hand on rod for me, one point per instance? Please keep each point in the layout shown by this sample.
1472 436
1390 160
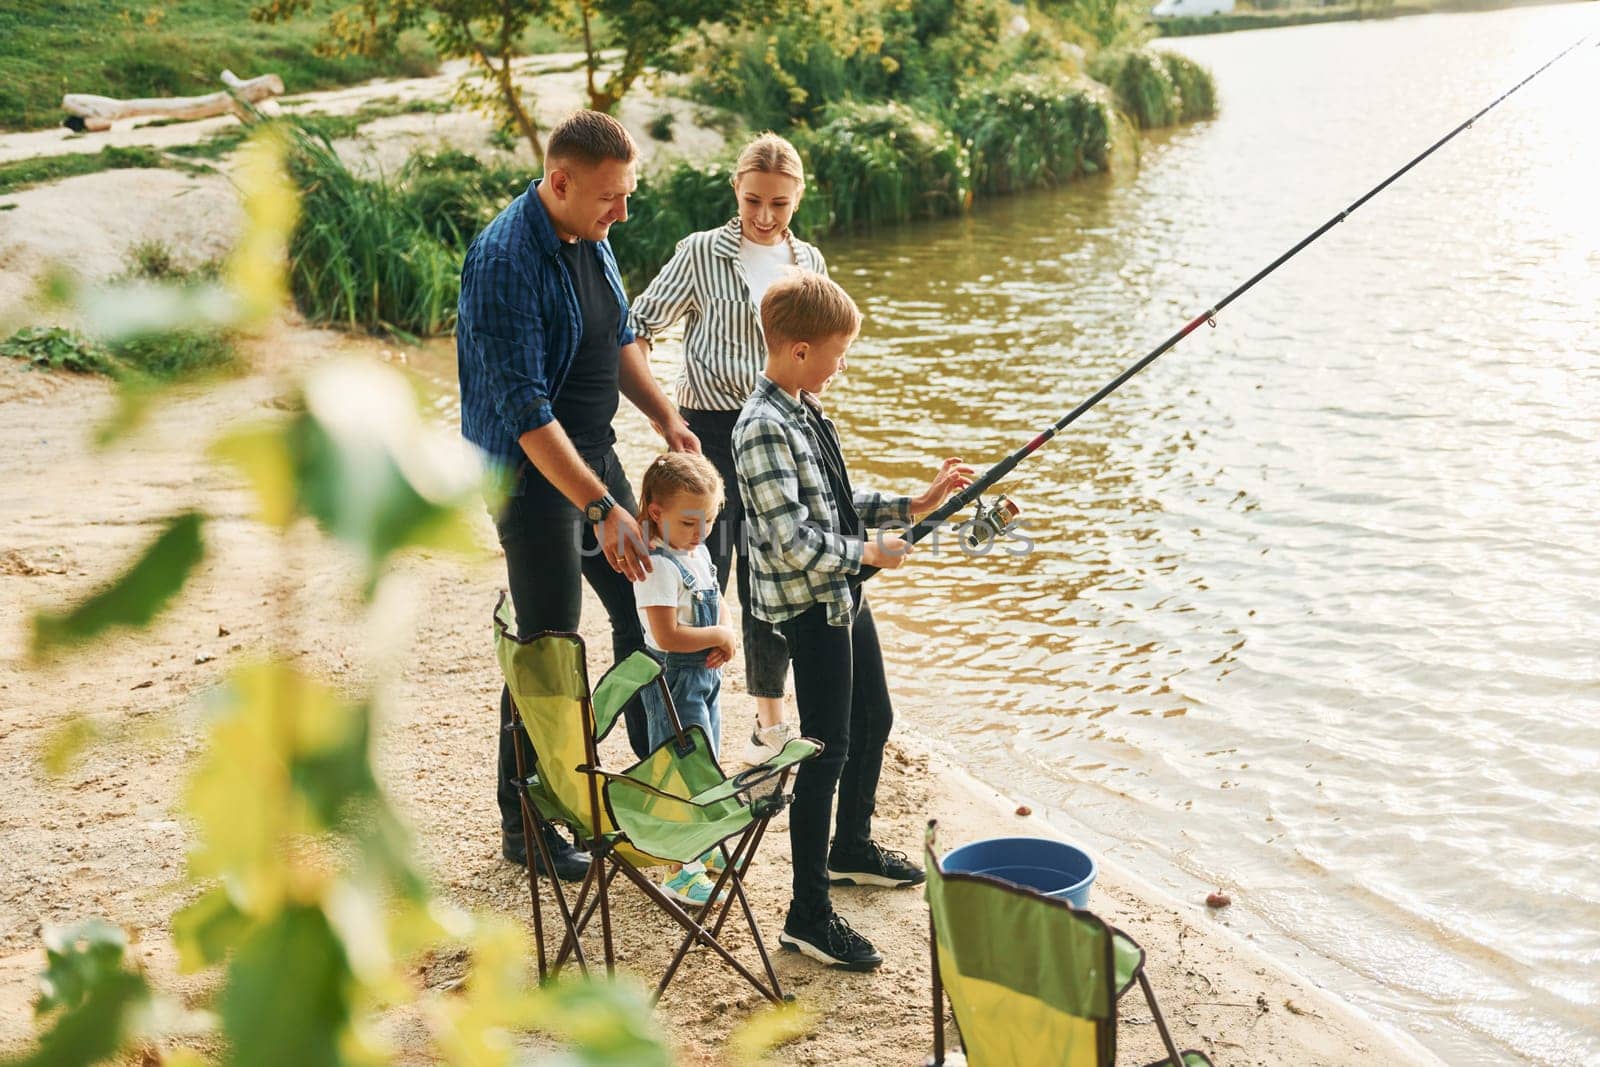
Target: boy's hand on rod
886 551
953 476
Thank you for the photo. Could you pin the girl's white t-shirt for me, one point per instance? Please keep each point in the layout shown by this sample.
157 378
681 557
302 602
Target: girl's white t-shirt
663 587
763 265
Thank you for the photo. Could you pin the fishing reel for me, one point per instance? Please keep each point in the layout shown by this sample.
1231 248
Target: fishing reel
991 523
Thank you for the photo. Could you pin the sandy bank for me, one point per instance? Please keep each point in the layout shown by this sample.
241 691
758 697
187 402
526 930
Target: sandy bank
107 839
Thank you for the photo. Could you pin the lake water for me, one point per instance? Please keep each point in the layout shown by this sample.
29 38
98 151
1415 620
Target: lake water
1313 611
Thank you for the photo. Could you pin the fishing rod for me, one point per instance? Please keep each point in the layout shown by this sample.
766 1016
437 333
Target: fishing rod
1001 517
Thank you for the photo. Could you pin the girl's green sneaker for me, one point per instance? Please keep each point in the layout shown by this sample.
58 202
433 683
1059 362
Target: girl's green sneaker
714 864
689 886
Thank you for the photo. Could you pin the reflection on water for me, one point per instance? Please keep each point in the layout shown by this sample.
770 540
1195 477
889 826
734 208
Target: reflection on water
1314 602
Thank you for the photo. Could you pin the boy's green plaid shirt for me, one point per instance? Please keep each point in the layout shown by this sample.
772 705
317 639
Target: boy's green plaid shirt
798 557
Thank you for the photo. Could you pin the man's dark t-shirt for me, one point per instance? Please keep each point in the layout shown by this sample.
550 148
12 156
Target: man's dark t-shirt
587 401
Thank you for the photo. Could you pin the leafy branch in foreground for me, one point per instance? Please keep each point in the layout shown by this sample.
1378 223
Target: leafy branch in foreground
309 899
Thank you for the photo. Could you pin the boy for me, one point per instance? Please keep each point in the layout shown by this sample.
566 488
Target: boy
807 527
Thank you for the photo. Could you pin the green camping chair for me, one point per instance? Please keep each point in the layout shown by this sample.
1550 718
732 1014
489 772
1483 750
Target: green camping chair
671 807
1031 979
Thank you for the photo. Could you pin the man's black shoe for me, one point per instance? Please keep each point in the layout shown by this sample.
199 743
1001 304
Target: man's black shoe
874 866
571 864
830 940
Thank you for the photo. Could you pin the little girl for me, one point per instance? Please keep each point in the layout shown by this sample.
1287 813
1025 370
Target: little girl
685 621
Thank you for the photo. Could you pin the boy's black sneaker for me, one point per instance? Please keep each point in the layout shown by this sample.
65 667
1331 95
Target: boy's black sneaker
571 863
874 866
830 940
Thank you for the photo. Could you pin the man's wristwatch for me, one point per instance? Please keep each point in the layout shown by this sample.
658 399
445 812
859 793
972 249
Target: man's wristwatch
597 511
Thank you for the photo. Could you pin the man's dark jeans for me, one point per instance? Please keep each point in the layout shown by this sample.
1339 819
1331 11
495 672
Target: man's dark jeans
766 657
843 697
549 549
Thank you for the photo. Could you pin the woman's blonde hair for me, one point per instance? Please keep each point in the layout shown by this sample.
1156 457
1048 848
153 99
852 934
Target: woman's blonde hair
672 473
770 154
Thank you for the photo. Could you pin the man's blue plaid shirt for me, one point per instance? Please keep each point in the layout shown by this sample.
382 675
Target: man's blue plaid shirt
518 328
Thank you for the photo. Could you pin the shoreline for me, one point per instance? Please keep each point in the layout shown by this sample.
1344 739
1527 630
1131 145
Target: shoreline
1277 18
1218 991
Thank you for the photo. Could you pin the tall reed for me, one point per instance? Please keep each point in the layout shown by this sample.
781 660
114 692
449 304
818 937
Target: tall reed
881 163
1144 87
1196 90
1031 131
669 204
364 254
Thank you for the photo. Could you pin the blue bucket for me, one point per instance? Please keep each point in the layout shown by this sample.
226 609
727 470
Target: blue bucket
1053 868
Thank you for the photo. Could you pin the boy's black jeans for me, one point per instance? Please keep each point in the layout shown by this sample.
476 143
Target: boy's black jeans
550 551
843 697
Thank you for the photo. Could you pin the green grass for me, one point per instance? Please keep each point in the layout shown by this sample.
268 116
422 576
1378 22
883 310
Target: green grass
22 173
1190 26
333 127
52 47
164 357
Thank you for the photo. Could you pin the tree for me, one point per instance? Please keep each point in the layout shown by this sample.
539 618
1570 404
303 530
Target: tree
646 31
484 31
1108 23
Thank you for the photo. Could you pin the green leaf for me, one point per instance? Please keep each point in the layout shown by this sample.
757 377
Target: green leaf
609 1024
288 994
359 459
78 957
136 396
97 1001
133 599
65 742
207 930
261 454
371 472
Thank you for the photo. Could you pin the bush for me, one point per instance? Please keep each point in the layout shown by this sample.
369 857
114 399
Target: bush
1143 86
57 348
164 356
457 194
1031 131
363 254
1195 87
178 354
669 205
879 163
787 74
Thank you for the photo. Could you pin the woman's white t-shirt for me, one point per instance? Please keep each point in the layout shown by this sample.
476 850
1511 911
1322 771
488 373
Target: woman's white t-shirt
663 587
763 265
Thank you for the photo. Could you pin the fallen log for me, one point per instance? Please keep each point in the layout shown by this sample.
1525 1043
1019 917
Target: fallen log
86 111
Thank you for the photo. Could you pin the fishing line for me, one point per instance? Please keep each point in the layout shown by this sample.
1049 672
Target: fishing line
1001 518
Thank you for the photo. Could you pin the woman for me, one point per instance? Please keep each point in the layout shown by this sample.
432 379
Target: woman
715 281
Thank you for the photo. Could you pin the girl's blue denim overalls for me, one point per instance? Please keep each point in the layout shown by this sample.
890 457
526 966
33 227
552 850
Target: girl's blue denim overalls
694 686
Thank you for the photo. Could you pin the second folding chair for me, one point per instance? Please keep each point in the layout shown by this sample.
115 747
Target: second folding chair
1033 981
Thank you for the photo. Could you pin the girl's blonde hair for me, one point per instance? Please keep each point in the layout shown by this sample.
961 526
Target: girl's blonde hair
672 473
770 154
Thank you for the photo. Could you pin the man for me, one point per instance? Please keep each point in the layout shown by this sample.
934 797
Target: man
543 350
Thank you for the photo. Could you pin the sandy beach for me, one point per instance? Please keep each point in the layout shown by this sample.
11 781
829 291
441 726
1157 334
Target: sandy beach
107 839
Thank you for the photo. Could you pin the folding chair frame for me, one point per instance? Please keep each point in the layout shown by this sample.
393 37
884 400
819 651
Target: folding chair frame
605 864
1106 1028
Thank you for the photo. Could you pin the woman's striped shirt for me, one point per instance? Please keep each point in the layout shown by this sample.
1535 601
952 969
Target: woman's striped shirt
705 284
